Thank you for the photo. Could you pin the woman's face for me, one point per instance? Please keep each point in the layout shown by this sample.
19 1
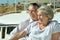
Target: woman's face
43 19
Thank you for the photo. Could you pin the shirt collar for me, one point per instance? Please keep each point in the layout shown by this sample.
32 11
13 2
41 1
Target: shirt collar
31 20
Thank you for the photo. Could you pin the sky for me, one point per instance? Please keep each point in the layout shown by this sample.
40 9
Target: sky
8 1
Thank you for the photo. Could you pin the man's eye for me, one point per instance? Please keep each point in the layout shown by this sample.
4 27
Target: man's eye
39 15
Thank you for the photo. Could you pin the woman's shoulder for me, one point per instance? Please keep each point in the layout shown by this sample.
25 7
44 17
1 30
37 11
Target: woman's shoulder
55 26
54 22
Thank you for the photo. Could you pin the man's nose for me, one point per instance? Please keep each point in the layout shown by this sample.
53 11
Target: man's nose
30 11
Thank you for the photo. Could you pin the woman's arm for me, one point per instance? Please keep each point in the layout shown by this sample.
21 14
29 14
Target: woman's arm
18 35
55 36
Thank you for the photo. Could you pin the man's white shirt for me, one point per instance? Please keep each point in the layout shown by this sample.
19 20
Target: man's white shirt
21 26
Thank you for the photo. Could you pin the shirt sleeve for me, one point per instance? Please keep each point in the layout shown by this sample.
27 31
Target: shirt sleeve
27 30
15 30
56 28
20 27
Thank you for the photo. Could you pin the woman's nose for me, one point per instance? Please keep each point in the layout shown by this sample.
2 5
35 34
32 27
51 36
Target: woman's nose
38 17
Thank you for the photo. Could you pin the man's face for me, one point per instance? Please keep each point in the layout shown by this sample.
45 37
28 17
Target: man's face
33 12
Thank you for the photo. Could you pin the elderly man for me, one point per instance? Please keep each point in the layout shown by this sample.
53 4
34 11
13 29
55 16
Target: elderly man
33 17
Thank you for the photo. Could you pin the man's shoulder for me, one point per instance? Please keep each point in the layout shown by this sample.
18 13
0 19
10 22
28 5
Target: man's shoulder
25 21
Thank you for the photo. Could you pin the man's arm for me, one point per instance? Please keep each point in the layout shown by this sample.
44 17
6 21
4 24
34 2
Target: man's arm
18 35
19 28
56 36
14 31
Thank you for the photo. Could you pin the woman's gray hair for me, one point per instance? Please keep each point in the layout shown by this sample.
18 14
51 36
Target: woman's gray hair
48 11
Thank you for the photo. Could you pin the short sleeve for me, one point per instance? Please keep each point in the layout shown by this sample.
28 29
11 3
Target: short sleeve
20 27
23 25
56 27
27 30
15 30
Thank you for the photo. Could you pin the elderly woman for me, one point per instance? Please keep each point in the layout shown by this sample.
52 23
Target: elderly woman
45 28
51 29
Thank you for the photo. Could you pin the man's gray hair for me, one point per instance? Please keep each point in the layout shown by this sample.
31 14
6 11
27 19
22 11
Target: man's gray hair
48 11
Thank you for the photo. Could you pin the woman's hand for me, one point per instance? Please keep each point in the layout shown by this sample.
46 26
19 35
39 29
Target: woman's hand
55 36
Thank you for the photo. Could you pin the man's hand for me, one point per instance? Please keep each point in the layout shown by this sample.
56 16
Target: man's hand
18 35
